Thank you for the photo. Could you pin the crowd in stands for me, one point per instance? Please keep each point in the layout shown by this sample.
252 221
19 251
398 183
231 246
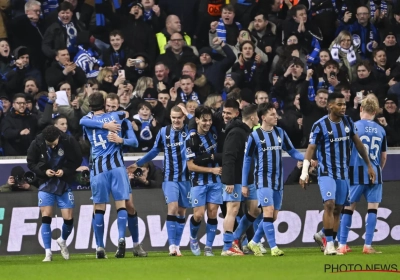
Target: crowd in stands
157 54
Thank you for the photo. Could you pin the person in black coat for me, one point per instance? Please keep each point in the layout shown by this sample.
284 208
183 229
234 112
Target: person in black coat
176 55
38 161
138 35
62 69
82 12
215 71
311 110
18 128
63 33
28 30
292 121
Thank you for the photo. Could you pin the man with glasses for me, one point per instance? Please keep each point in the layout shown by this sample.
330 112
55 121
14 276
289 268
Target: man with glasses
172 25
18 128
177 54
363 31
28 30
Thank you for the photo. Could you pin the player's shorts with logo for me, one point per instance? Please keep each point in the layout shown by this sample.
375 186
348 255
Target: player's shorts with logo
270 197
177 191
236 194
210 193
336 189
64 201
372 193
114 181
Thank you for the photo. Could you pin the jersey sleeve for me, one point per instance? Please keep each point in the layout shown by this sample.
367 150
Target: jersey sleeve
249 150
288 147
130 137
189 153
158 146
316 134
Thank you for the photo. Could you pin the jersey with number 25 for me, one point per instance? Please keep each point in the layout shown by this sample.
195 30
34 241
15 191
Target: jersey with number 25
373 136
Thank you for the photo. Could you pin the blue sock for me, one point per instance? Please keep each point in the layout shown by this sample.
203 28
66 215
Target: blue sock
269 230
95 231
244 224
257 221
211 230
67 228
99 227
133 227
46 234
171 229
194 227
121 222
180 222
259 233
345 225
370 226
228 238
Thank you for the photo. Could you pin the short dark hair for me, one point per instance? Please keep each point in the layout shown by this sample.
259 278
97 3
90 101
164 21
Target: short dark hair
184 77
162 63
342 86
333 96
263 108
57 117
249 110
374 53
144 104
297 61
62 83
333 63
201 111
115 33
228 7
19 95
96 101
297 8
61 49
112 96
262 13
31 79
231 103
366 64
51 133
247 42
65 6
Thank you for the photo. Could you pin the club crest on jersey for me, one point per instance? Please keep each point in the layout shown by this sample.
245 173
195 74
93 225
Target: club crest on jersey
215 136
60 152
346 129
279 139
330 132
184 134
328 194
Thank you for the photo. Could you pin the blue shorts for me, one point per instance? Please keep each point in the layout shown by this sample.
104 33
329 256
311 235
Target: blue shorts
177 191
115 181
270 197
335 189
64 201
372 193
211 193
236 194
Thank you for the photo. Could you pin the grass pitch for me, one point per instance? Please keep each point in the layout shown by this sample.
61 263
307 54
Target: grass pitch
304 263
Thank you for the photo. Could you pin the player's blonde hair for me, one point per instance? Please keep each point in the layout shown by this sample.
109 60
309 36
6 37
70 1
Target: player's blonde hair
370 105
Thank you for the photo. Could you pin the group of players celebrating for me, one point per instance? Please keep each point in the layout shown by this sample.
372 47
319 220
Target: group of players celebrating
217 159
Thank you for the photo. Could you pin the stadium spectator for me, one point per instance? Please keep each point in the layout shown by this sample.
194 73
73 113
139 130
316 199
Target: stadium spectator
18 128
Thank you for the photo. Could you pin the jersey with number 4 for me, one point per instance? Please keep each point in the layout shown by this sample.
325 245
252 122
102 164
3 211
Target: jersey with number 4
373 136
105 155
